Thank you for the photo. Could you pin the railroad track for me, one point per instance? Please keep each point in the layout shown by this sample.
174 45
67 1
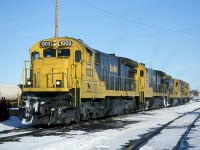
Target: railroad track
89 126
181 143
137 144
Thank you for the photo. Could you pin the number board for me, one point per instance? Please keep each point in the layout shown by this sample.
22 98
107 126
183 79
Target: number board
45 44
65 43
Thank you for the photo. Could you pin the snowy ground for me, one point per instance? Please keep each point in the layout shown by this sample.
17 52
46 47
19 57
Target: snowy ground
194 136
111 138
168 137
12 123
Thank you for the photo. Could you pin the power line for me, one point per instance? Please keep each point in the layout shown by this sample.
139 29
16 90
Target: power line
136 22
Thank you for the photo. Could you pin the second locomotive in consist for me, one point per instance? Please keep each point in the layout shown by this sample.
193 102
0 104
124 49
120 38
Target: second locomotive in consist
69 81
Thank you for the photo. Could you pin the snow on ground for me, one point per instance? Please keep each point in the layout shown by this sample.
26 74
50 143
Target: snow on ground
112 139
175 129
12 123
193 140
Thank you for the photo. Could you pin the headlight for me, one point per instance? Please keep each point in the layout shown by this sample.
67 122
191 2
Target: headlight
29 83
58 83
54 43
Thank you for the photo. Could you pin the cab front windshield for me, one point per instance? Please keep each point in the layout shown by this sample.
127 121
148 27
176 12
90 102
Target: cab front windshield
64 53
48 53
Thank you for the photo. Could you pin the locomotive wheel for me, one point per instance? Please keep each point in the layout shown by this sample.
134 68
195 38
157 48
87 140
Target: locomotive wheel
85 116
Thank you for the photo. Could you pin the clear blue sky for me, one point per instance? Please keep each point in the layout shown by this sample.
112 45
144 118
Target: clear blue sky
163 34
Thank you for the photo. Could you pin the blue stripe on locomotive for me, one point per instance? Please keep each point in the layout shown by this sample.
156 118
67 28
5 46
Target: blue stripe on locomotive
127 75
114 72
107 69
156 80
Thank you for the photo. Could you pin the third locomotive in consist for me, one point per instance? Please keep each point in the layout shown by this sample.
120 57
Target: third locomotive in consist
70 81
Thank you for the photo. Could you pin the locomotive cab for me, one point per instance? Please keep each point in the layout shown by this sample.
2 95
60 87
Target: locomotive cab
50 66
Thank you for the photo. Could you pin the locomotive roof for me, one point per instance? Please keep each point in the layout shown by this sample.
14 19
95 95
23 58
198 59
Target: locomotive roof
160 72
128 62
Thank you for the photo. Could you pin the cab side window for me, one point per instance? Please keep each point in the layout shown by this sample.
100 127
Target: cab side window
141 73
34 56
89 57
78 56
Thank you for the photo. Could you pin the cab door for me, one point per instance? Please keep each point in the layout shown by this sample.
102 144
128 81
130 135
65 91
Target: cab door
76 72
142 84
140 79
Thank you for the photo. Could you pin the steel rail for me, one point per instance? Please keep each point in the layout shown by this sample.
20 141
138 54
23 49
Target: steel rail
181 143
137 144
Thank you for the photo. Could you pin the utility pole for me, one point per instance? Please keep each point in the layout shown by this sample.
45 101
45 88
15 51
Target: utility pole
56 20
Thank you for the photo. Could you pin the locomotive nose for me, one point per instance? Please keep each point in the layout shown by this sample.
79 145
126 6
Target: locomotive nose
56 76
48 74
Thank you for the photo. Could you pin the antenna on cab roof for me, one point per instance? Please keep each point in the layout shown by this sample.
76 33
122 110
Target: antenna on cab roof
56 20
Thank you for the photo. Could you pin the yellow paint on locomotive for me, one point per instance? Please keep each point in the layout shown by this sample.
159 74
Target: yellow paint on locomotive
62 64
55 67
48 70
141 83
186 93
176 89
140 78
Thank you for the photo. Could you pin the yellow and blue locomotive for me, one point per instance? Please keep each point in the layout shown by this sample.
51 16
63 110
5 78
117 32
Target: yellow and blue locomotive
69 81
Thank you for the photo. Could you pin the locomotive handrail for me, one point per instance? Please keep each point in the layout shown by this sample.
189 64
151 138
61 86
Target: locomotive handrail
159 88
64 76
125 86
36 81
